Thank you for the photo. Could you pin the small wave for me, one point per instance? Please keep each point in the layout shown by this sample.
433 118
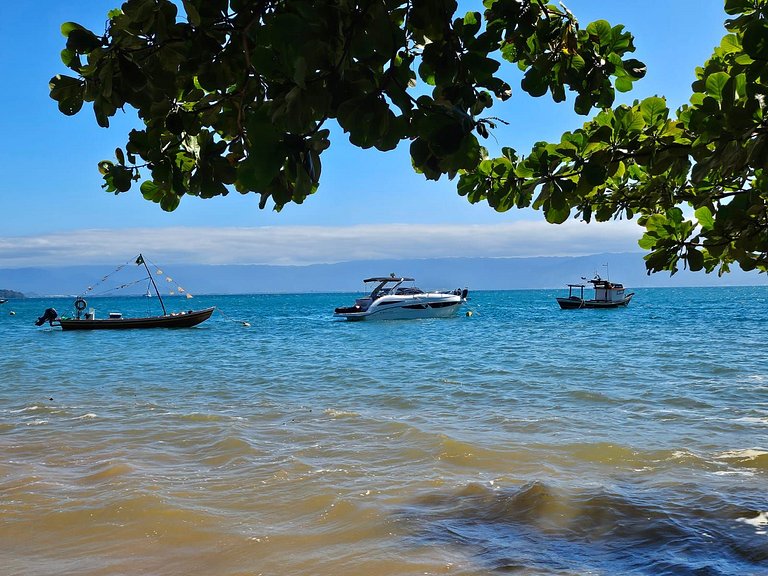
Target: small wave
760 522
752 458
463 453
203 417
36 408
89 416
605 453
745 453
589 530
227 452
733 473
25 409
333 413
752 420
107 473
595 397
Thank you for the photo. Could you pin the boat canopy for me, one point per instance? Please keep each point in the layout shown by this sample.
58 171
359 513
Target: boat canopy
388 279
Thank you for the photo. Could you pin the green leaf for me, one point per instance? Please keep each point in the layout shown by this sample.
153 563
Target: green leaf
582 105
534 83
695 259
68 92
557 215
82 41
653 109
647 242
755 40
635 68
602 31
675 215
266 153
716 83
151 191
730 44
738 6
705 218
169 202
68 27
623 84
595 173
105 166
118 179
192 14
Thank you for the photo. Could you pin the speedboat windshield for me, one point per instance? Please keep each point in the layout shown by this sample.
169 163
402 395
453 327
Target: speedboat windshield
391 285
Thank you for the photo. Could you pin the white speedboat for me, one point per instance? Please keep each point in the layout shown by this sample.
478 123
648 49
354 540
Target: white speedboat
390 300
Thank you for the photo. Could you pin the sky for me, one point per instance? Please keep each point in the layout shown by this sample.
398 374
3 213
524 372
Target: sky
370 205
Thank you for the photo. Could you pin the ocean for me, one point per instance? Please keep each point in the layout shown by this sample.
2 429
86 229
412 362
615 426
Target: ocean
522 439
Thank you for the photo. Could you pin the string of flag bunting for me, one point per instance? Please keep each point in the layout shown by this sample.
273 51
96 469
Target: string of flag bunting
176 288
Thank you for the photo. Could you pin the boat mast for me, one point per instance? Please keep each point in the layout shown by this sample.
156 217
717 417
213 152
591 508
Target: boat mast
153 284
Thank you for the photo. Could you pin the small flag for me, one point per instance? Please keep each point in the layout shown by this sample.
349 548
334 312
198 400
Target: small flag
140 260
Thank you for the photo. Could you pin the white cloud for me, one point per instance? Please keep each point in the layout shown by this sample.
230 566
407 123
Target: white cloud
300 245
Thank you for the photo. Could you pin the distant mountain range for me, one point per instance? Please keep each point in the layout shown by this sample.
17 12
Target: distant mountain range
439 273
10 294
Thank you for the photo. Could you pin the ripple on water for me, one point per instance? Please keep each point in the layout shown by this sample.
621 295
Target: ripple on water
524 439
585 530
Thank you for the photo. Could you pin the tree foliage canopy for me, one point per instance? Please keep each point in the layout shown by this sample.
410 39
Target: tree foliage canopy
239 94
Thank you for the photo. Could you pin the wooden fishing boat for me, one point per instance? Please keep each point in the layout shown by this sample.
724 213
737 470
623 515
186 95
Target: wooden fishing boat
115 321
179 320
607 295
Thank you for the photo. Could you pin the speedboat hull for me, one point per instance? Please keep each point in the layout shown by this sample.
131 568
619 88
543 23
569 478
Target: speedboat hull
181 320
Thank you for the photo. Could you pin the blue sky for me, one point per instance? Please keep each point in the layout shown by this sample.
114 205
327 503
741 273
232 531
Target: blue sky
369 205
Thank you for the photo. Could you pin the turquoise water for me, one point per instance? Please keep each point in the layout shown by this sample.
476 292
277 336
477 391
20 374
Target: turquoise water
523 439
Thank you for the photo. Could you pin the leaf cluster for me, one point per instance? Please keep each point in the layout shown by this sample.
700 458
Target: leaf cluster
696 178
239 94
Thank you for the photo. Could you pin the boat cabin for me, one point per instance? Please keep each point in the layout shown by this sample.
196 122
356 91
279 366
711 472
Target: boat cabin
606 290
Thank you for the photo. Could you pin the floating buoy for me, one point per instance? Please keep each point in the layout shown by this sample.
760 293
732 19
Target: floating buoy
13 313
469 313
247 324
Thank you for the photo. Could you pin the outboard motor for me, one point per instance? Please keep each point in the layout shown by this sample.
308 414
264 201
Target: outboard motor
49 316
464 293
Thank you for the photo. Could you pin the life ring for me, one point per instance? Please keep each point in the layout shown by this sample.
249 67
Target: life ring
80 304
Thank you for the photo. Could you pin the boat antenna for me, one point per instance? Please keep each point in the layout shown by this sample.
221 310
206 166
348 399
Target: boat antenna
607 274
140 261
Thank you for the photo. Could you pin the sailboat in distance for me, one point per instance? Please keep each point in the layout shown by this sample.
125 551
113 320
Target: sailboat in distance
115 321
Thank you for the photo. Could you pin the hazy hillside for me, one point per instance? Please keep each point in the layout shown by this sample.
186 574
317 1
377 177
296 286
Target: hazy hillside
443 273
4 293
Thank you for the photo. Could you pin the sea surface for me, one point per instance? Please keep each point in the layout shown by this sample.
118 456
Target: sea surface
522 439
